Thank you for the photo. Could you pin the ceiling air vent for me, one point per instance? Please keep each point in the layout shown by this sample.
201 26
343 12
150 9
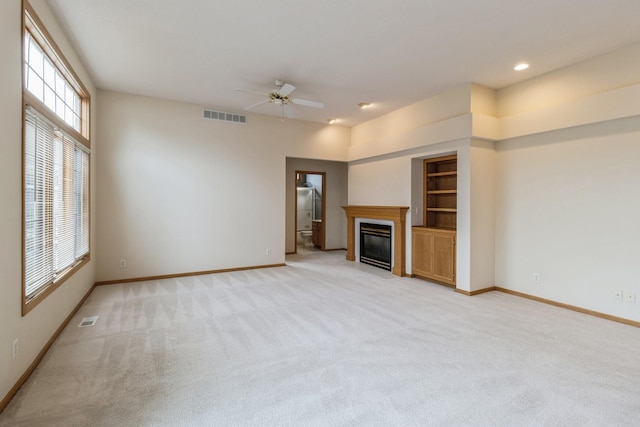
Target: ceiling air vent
225 117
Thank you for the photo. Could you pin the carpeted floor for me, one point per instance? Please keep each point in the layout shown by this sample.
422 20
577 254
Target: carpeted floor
326 342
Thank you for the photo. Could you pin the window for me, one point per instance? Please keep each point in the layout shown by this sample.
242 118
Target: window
47 84
55 168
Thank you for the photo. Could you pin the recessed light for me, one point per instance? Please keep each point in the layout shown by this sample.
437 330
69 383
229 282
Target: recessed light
363 105
331 121
521 66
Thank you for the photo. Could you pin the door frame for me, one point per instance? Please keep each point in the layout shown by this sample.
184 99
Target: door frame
323 208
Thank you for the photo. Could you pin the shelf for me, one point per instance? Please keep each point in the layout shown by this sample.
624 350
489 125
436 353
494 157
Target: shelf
450 173
434 227
442 192
452 210
442 228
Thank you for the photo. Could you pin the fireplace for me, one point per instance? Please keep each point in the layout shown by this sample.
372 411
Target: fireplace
395 214
375 245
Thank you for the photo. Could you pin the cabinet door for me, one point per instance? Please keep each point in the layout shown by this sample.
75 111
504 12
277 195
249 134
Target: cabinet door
434 254
422 253
443 255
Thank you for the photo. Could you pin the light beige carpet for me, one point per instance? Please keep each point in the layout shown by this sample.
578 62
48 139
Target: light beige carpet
326 342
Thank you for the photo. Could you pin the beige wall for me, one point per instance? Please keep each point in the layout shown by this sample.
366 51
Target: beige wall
482 184
566 182
38 326
180 194
386 167
444 117
451 103
172 192
567 209
553 195
335 197
604 73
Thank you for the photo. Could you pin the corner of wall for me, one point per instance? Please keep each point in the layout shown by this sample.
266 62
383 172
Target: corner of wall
483 100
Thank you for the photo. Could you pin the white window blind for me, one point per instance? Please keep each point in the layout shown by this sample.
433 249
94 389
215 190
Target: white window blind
56 198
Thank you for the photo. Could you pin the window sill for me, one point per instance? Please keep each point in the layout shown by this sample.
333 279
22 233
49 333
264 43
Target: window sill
31 303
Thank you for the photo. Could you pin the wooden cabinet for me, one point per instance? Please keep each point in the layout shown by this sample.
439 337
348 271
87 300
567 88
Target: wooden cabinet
434 254
316 233
434 243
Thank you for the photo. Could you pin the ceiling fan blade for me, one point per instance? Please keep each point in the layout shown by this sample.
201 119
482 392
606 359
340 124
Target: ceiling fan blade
286 89
250 91
306 103
288 112
256 104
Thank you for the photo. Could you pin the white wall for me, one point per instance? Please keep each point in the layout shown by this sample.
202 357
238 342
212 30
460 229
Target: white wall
181 194
335 196
565 189
396 180
555 195
444 117
604 73
382 182
38 326
387 128
568 206
386 169
566 184
482 184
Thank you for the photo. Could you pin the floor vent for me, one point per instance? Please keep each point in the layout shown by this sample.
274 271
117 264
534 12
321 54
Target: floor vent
225 117
88 321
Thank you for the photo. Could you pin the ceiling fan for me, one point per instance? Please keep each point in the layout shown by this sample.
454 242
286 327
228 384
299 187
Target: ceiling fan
280 96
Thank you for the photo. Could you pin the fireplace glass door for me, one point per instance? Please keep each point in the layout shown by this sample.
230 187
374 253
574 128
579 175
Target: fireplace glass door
375 245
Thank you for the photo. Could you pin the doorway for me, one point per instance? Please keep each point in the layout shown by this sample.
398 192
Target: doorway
310 210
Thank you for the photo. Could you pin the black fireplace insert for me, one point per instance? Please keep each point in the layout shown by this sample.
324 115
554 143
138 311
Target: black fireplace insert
375 245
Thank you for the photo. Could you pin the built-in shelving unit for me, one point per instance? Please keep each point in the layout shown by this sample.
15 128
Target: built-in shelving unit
441 191
433 243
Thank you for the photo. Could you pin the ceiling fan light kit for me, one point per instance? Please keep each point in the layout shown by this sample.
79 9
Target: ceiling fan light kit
278 99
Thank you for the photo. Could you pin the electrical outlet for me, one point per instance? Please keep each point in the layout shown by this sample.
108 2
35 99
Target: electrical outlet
14 348
619 295
536 277
123 263
268 251
630 297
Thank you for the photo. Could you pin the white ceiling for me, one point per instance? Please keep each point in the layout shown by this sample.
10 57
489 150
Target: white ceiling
391 53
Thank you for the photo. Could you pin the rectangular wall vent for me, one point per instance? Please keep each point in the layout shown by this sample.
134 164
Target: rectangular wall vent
226 117
88 321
